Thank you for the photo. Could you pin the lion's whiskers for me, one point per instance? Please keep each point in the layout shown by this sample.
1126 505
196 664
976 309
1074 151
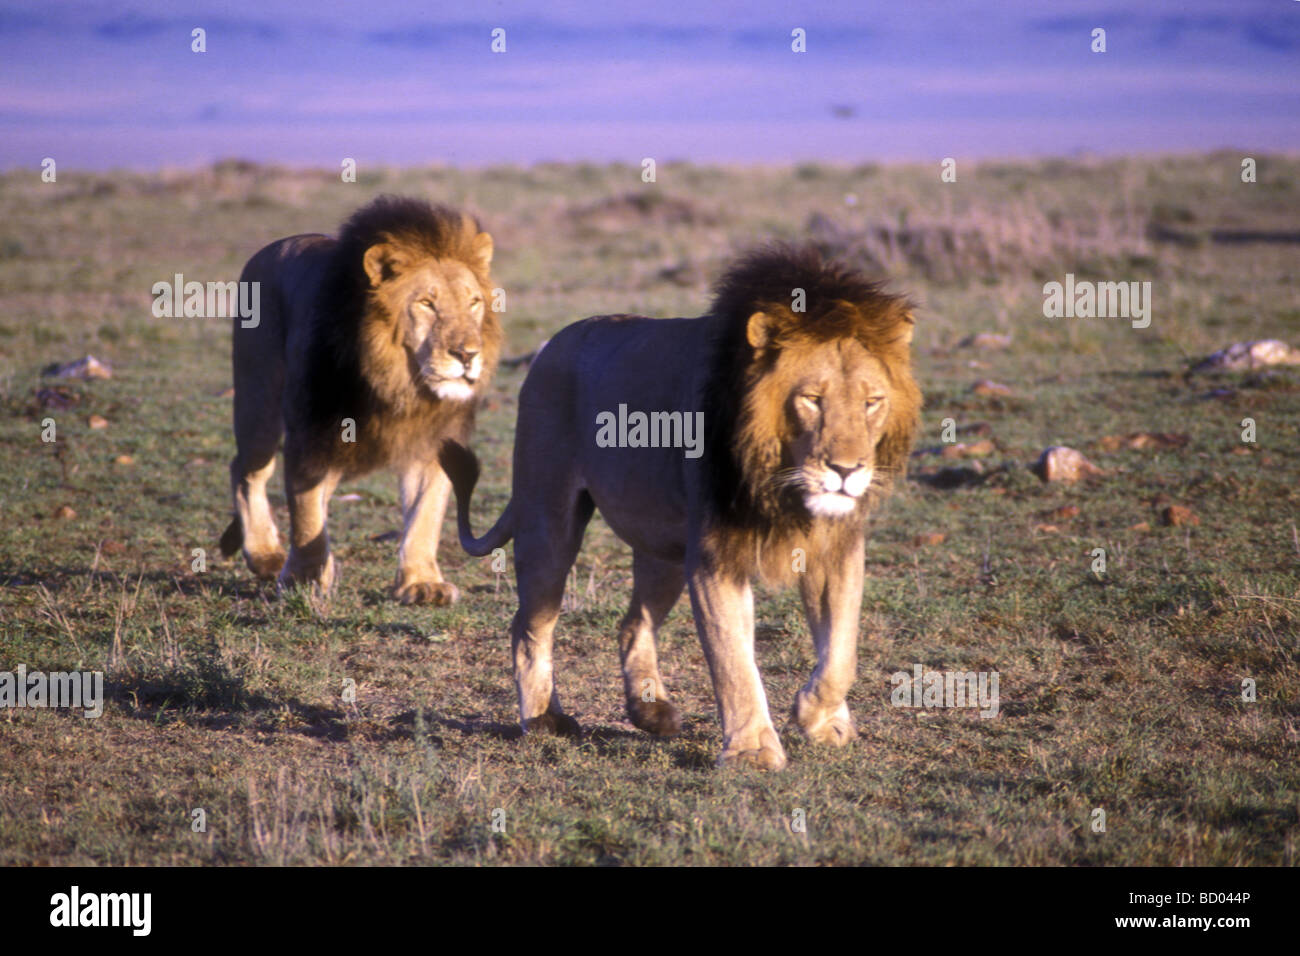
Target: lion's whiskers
788 478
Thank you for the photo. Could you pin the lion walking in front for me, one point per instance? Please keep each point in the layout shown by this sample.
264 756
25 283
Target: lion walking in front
808 417
369 351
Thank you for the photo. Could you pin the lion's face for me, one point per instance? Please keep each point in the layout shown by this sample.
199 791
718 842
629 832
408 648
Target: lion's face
439 308
442 310
826 409
836 400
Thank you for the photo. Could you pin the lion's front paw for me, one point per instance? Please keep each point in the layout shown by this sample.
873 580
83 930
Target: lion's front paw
266 566
296 572
765 753
437 593
558 725
836 732
656 717
832 727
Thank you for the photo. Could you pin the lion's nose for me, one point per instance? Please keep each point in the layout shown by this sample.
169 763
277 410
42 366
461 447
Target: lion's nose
464 354
842 470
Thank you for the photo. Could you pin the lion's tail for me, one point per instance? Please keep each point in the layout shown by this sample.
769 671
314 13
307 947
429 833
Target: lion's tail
461 465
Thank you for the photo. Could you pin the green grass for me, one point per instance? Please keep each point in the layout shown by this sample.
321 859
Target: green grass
1120 691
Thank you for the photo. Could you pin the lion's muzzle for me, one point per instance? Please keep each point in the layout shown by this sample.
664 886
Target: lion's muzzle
835 492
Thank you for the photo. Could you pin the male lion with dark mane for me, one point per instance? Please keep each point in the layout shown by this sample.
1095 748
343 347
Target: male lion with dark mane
808 417
369 351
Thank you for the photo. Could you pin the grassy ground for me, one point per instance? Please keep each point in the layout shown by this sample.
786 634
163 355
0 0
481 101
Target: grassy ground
1120 691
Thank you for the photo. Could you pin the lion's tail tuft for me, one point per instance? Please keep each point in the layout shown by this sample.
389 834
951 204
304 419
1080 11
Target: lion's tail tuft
461 466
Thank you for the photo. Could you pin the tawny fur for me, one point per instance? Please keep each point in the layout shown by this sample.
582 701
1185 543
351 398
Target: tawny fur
756 523
789 399
342 350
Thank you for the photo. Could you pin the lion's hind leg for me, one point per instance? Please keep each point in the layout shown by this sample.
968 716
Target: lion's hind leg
253 528
545 549
310 561
656 587
259 425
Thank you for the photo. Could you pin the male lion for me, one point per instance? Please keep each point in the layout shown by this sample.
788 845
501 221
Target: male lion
808 416
370 350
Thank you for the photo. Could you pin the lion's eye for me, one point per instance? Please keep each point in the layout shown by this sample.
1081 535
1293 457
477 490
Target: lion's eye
875 404
428 304
814 400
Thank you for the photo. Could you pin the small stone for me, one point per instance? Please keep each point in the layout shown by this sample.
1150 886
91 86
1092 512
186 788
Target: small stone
124 460
1140 526
985 340
988 387
930 538
83 368
967 450
1176 515
1060 463
1142 440
63 512
1047 529
97 421
1249 355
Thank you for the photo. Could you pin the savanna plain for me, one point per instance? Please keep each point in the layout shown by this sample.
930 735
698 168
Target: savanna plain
1121 690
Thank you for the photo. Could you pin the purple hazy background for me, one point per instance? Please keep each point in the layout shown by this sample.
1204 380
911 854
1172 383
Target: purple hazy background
114 83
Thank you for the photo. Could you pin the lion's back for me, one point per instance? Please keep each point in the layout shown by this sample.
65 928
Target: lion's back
288 273
598 370
616 358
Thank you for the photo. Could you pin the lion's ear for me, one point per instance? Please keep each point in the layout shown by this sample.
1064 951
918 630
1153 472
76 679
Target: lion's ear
381 261
482 251
760 330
